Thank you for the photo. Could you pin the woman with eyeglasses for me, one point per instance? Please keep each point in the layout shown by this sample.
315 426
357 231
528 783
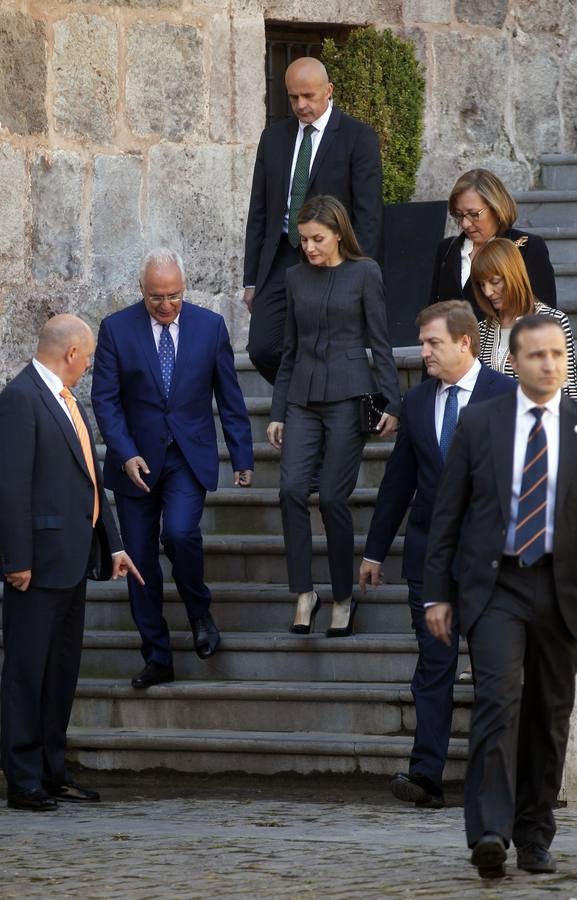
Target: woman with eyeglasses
484 209
502 290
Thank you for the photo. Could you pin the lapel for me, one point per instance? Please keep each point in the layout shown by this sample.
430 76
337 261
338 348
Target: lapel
481 389
502 429
430 432
567 451
286 153
146 340
328 137
61 419
185 340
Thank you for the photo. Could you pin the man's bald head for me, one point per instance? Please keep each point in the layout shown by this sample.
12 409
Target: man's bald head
308 88
65 346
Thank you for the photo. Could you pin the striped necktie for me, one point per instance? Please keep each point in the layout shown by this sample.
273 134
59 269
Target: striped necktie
300 183
532 511
84 438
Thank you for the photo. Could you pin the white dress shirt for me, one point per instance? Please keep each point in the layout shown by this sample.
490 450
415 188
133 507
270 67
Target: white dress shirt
523 424
319 126
173 329
466 260
54 385
466 386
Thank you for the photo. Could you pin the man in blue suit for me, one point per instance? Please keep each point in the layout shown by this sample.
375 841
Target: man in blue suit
449 338
157 366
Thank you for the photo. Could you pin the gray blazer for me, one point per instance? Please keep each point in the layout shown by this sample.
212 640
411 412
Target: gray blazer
331 313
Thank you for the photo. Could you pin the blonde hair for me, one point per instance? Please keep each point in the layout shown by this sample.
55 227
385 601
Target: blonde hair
493 192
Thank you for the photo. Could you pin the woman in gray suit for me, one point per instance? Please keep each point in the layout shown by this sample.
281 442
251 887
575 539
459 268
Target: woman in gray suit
335 301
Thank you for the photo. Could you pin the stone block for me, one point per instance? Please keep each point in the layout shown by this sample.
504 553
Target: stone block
568 76
490 13
338 12
56 188
117 241
535 83
85 76
438 11
191 208
248 43
138 4
165 90
555 16
468 91
13 190
438 172
22 73
220 80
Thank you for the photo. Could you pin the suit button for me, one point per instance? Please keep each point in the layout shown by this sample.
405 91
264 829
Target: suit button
495 564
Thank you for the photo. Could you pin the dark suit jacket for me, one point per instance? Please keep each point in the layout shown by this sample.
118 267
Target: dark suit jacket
329 312
347 165
133 414
46 493
416 464
472 511
446 281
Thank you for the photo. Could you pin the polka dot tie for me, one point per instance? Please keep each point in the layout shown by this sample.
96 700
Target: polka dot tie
166 356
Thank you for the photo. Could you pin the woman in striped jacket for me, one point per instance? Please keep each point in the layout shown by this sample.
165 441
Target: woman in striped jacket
503 292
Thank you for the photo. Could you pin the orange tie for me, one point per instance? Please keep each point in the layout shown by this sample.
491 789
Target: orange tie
83 437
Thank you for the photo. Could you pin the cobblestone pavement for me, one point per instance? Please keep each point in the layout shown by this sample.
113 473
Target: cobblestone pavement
206 838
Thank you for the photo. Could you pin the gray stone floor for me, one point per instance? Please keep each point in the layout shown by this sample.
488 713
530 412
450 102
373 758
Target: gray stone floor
161 836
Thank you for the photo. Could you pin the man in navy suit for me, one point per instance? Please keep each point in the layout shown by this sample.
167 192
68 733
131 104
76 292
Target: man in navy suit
320 150
56 529
157 366
449 337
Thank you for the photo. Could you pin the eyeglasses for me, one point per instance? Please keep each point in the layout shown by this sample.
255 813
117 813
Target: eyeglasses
472 216
155 299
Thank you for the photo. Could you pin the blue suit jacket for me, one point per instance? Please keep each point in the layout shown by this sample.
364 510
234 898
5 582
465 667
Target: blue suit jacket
416 464
133 414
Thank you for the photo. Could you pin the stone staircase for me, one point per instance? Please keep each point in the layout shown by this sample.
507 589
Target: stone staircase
551 212
268 701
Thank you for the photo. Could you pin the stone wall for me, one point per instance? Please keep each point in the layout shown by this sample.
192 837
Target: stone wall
128 123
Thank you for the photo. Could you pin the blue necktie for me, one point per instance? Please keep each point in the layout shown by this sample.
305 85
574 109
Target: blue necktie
532 511
450 417
166 356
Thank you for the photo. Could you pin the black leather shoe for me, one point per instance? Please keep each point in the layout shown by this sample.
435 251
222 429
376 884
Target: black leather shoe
35 801
206 636
70 792
416 789
535 858
153 673
489 855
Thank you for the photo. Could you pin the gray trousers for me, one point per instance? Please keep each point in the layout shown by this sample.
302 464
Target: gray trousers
322 438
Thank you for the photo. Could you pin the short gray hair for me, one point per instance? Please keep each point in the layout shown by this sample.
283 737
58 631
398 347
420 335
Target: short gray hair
161 256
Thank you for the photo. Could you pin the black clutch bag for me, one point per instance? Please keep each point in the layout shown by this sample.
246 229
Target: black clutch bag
371 409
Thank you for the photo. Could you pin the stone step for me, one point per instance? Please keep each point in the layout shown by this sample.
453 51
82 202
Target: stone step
375 454
257 511
259 753
547 208
261 558
242 607
561 243
339 708
559 171
262 657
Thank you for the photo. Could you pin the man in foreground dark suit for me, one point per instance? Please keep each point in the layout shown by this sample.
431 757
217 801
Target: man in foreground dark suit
157 366
505 520
449 339
320 150
55 528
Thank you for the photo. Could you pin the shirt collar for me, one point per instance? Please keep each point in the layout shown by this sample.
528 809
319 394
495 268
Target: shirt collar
157 324
50 378
468 381
524 404
321 123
